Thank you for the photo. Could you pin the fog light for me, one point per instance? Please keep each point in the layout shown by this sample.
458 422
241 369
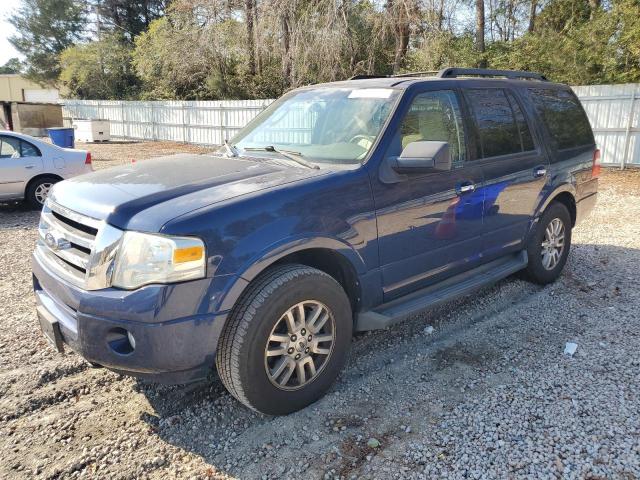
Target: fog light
121 341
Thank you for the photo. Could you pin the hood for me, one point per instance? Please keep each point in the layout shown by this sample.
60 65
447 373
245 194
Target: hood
144 196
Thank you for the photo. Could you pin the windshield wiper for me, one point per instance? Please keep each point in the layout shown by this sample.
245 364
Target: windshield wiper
295 156
231 149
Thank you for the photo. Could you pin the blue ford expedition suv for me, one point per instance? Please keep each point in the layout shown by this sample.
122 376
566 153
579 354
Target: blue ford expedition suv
343 207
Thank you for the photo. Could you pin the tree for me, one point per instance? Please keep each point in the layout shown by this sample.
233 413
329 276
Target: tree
129 17
13 65
99 69
250 11
44 29
480 46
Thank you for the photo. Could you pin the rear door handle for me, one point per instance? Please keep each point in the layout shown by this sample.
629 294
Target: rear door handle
29 166
539 172
465 187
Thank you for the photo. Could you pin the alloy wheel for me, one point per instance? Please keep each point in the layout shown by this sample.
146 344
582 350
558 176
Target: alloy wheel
42 191
300 345
552 244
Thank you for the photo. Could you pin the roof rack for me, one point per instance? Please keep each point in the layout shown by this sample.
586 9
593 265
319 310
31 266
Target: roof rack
430 73
484 72
365 76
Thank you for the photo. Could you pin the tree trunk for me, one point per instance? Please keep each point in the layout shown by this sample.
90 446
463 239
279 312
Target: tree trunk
402 43
480 32
401 31
532 16
286 46
251 44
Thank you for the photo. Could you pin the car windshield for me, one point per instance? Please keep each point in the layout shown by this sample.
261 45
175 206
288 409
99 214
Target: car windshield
322 125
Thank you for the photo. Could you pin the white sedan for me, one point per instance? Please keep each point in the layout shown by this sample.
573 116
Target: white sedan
29 167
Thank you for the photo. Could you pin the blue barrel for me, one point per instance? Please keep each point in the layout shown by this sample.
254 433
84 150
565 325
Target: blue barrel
62 137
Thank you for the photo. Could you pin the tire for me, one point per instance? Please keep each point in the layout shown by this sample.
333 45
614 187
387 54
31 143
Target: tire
36 189
260 315
540 269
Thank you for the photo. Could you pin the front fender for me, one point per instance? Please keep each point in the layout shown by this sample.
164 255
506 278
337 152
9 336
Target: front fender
281 249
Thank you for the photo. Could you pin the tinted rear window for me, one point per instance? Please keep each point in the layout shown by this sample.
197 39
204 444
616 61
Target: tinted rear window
564 117
501 131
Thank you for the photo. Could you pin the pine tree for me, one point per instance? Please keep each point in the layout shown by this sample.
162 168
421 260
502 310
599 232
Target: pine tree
44 29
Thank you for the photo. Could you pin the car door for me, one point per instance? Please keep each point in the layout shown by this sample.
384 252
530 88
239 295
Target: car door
19 162
513 164
429 225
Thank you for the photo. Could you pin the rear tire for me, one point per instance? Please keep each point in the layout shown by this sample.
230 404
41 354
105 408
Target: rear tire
549 245
38 190
286 340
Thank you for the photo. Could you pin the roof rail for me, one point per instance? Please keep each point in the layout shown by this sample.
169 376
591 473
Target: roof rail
365 76
484 72
430 73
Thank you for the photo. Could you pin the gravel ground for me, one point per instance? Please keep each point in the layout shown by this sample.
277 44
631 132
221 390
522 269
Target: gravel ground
478 388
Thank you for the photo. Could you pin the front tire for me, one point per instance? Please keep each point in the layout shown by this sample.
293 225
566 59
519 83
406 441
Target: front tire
38 190
549 245
286 340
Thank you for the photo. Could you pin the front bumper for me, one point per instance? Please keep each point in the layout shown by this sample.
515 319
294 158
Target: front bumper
175 337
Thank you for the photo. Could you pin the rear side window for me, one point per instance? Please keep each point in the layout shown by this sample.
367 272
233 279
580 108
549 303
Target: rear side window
562 113
29 150
501 125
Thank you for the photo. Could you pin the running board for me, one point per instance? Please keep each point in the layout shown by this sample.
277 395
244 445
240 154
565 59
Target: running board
457 286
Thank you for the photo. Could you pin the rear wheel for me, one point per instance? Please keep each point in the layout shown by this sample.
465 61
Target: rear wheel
286 340
549 245
38 191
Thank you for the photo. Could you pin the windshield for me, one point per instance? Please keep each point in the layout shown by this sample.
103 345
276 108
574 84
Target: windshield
324 125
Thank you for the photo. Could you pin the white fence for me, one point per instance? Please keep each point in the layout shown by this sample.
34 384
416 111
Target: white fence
204 123
614 112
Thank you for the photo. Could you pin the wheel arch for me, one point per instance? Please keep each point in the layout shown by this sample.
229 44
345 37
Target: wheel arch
38 177
564 194
331 256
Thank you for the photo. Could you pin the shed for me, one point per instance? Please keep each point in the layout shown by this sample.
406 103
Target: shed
30 118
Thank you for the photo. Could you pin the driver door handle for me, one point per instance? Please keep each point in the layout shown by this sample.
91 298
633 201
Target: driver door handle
465 187
539 172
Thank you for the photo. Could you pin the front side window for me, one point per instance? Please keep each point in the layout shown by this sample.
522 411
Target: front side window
495 122
433 116
562 113
9 147
324 125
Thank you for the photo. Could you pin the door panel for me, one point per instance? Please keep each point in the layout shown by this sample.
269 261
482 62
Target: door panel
427 230
429 226
514 170
16 170
512 189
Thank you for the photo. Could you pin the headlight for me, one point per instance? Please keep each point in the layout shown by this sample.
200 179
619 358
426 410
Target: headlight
144 258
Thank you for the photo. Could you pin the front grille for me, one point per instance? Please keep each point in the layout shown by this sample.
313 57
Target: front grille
78 248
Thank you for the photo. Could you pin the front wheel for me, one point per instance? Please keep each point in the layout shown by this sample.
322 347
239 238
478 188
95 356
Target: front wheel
38 191
286 340
549 245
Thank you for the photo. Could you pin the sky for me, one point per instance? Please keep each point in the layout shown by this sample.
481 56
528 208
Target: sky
6 30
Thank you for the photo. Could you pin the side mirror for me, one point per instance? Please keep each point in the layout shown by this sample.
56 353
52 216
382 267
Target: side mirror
423 157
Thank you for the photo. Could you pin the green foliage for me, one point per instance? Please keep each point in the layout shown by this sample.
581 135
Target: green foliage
129 17
13 65
44 29
206 49
99 70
